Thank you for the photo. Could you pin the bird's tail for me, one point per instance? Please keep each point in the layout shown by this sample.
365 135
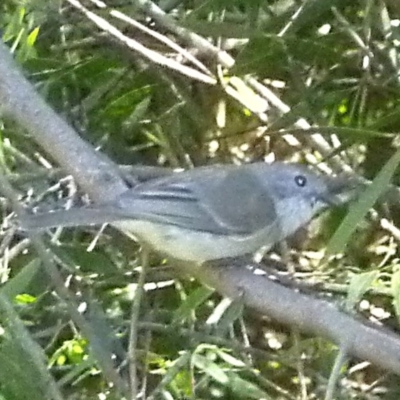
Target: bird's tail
70 218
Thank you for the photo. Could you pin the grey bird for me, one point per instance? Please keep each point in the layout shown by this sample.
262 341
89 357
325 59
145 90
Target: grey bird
210 213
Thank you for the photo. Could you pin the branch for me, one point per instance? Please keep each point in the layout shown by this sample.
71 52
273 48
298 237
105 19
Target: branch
149 54
359 338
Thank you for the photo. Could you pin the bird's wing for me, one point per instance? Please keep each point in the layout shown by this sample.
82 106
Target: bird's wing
221 200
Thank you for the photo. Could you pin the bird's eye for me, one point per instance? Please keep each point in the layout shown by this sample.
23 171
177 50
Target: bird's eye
300 180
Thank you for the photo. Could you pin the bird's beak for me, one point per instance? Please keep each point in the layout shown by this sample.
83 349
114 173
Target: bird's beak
340 190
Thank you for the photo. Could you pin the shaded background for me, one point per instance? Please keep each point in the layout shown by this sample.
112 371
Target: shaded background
332 64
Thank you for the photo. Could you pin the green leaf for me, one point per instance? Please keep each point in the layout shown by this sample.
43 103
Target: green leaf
31 40
359 285
210 368
395 288
244 389
19 376
194 300
20 282
225 316
229 359
358 210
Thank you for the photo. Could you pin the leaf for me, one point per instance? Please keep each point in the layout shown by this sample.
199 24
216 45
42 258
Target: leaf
359 285
31 40
194 300
18 376
23 362
210 368
225 314
358 210
20 282
229 359
244 389
395 288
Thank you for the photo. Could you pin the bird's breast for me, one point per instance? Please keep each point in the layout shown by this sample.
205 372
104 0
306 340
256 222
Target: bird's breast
196 246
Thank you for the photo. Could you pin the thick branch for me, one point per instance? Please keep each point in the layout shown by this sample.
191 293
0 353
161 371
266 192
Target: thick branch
360 339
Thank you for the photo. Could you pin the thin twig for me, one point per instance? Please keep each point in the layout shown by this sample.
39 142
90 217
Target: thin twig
133 336
162 38
144 51
340 361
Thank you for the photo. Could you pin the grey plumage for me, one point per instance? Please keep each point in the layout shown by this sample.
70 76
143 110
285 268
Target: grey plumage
210 212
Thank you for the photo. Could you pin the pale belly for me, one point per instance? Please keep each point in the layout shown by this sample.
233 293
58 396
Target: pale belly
196 246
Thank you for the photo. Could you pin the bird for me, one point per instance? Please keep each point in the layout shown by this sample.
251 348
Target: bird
212 212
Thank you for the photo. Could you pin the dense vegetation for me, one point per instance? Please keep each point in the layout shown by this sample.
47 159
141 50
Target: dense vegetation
181 84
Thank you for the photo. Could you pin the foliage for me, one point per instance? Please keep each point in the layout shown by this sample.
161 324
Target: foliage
331 63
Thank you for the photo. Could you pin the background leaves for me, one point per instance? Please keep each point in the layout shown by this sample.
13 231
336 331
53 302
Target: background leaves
331 66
